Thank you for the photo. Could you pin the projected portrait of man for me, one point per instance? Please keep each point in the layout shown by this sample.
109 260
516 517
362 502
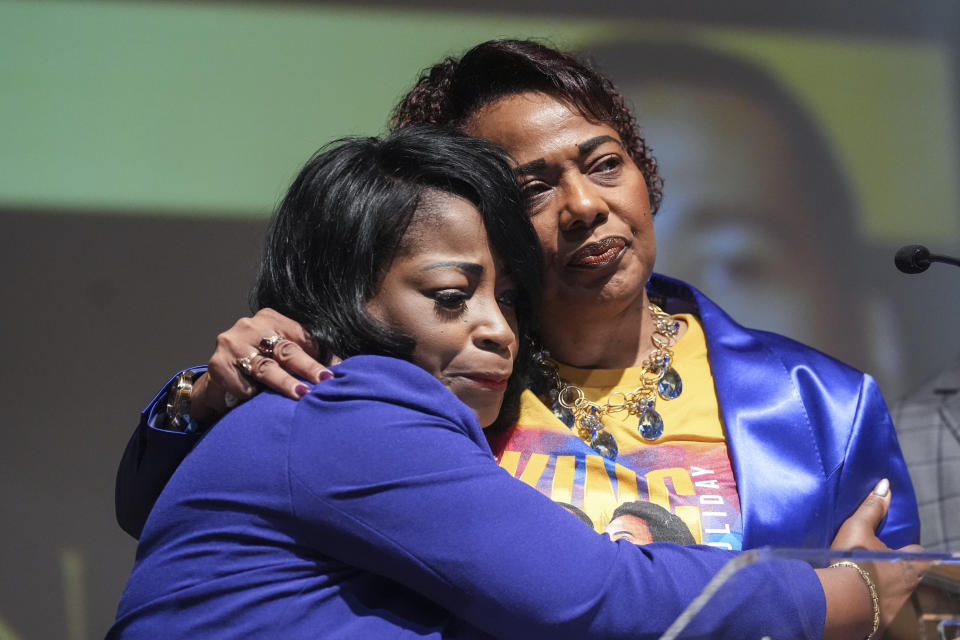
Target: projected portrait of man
757 212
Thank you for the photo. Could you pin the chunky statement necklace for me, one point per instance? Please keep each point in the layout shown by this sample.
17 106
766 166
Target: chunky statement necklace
658 378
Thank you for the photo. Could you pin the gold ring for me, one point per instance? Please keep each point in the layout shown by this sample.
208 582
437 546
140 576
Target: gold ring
244 363
267 344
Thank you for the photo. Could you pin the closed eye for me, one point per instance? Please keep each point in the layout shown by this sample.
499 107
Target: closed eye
448 301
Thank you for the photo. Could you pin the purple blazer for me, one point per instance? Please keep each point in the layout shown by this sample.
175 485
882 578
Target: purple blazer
374 508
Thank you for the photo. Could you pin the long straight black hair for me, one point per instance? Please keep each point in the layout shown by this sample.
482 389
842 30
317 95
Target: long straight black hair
341 223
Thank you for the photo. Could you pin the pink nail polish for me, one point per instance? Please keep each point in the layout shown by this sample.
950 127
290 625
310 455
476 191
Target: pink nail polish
325 375
301 390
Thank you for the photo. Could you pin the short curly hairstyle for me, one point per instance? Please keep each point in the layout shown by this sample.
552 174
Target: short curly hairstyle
454 90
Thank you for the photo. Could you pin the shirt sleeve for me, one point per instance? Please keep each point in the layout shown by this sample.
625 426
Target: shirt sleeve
405 487
150 458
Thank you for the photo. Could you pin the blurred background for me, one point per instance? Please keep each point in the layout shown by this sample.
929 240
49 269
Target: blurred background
144 144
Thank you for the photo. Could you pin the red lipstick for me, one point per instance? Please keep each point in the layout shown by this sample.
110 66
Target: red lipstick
598 254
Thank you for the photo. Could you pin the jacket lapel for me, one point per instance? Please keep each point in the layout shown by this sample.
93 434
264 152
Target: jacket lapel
772 447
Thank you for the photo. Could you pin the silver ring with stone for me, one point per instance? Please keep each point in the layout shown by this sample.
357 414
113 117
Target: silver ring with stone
245 363
267 344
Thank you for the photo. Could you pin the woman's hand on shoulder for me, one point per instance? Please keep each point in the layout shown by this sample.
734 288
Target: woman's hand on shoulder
266 351
849 598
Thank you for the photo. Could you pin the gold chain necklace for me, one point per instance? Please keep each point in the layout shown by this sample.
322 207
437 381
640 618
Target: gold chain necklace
658 378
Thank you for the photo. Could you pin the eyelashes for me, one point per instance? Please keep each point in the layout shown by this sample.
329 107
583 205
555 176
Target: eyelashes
534 188
447 301
608 164
454 301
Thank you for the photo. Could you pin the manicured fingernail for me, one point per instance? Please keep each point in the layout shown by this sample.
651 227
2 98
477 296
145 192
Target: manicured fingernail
301 390
882 488
324 375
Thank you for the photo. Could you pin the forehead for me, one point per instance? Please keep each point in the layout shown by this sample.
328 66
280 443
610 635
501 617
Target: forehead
445 223
633 524
531 126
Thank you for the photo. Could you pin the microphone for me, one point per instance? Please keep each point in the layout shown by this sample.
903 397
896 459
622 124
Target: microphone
916 258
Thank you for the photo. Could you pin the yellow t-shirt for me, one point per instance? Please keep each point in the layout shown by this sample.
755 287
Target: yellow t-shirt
687 470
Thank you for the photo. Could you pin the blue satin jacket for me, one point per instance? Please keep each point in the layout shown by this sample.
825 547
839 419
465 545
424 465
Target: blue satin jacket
809 437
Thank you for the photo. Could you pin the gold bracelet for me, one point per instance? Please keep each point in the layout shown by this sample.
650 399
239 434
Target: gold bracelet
178 401
873 593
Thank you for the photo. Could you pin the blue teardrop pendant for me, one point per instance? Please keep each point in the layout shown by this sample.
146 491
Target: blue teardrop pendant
651 424
670 385
604 444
